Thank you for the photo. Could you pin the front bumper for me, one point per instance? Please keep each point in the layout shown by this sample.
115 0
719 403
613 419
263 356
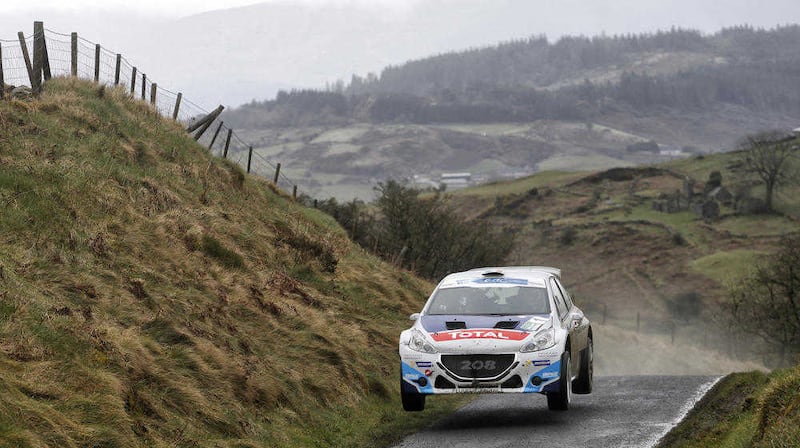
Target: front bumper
536 372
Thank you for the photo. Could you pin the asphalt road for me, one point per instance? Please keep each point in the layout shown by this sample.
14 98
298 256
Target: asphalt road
621 412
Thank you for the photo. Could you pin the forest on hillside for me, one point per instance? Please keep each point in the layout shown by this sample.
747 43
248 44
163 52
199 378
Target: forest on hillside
524 80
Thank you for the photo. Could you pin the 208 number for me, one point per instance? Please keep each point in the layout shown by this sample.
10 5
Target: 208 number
478 365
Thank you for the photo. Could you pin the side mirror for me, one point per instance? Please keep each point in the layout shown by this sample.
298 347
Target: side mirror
576 319
414 316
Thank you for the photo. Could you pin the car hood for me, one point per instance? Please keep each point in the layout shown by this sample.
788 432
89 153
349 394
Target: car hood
449 322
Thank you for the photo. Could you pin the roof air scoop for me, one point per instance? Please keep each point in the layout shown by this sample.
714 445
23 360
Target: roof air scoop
493 274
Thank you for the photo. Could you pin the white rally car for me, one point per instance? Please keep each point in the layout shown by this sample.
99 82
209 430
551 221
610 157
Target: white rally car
498 330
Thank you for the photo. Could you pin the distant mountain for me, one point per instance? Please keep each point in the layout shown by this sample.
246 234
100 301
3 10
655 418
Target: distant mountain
575 78
530 105
232 56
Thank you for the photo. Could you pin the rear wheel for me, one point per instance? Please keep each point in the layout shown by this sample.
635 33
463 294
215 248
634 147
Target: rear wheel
583 385
559 401
412 401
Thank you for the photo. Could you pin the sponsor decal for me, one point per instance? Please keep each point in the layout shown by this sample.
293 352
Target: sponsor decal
505 280
544 362
410 376
428 372
548 375
424 364
479 333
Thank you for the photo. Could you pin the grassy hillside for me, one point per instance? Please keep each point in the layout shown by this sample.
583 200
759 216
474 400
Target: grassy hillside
744 410
638 269
153 296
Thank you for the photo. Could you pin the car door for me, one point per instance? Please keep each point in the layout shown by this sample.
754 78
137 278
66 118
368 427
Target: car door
579 333
564 316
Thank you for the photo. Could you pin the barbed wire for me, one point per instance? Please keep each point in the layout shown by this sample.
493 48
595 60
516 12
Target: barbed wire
111 68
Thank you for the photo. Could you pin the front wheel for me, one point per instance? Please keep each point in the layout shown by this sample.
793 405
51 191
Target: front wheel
559 401
585 381
412 402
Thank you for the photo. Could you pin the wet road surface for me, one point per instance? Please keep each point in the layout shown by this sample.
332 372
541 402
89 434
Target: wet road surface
621 412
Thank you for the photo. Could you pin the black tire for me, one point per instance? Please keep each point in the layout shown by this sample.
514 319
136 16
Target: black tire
583 384
412 402
559 401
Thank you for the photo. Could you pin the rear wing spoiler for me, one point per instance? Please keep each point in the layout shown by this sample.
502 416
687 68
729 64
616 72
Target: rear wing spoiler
508 269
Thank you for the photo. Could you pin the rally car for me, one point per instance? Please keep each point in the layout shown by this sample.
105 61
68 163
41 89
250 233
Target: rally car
498 330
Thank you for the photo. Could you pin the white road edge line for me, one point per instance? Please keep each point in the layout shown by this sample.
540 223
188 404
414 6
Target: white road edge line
701 392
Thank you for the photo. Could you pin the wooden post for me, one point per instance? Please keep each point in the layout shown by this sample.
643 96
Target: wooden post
355 221
2 79
294 192
316 203
153 90
227 144
277 173
45 59
177 106
97 63
216 133
249 159
26 56
637 322
73 61
144 86
38 58
133 81
205 121
117 69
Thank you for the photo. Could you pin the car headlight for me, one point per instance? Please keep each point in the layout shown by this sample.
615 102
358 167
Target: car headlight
419 343
541 340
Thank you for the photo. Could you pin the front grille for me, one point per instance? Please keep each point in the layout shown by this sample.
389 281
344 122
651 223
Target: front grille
477 366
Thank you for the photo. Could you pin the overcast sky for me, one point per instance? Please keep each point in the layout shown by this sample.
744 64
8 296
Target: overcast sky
167 7
304 44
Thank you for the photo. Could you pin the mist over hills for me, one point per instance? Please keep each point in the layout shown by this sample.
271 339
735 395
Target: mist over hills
232 56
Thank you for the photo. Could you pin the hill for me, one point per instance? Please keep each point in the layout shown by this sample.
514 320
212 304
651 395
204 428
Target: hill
636 267
151 295
530 105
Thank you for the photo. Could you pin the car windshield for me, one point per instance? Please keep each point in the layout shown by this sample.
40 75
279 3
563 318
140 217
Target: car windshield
513 300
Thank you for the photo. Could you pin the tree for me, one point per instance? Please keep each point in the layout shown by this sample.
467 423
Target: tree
767 302
769 156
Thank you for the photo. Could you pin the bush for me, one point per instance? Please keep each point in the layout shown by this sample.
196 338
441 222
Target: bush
568 236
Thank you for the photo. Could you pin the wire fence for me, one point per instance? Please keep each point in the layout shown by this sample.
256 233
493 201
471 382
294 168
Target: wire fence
72 55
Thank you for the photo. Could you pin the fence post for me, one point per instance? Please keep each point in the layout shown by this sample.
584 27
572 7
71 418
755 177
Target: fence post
26 55
117 69
177 106
45 59
672 333
277 173
216 133
249 159
153 90
133 81
294 192
227 144
73 61
2 79
315 203
97 63
204 122
144 86
38 58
